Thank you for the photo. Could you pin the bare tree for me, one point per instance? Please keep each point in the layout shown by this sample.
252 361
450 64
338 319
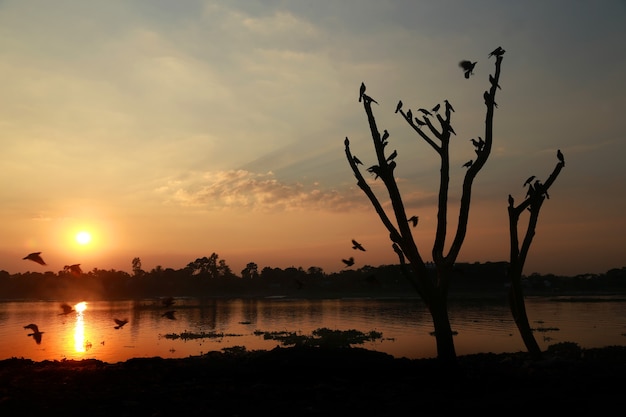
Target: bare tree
432 287
537 193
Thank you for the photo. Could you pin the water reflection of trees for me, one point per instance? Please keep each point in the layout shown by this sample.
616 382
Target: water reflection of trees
212 277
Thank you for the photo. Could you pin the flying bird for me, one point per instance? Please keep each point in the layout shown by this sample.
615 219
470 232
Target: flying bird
559 155
413 220
399 106
120 323
36 334
468 163
67 309
169 314
528 181
357 245
349 261
496 52
468 67
361 92
35 257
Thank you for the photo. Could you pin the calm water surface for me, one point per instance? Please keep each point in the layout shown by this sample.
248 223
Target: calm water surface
405 326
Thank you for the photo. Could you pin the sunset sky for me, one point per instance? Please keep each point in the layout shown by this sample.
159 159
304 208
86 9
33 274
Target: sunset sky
170 130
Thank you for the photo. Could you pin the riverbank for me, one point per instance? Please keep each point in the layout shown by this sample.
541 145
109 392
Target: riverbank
316 382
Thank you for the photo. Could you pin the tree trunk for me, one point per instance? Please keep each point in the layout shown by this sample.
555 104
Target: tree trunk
446 353
518 309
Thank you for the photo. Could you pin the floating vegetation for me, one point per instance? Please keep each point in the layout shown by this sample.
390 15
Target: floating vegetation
546 329
322 337
202 335
454 333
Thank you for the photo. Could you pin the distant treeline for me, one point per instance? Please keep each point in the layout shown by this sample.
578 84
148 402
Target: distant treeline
212 277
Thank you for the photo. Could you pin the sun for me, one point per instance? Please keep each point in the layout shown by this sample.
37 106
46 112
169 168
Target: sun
83 237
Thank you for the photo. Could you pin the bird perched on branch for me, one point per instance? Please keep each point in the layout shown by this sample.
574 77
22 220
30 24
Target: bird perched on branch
449 106
120 323
35 257
529 180
413 220
349 261
468 67
468 163
36 334
426 112
399 106
361 92
357 245
559 155
496 52
436 108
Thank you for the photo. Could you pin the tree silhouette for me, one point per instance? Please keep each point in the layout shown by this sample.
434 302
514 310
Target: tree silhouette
537 193
431 287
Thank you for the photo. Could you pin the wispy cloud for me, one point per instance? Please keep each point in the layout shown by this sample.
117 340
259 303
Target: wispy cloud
245 190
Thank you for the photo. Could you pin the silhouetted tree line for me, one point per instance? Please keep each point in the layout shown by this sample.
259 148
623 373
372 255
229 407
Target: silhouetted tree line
212 277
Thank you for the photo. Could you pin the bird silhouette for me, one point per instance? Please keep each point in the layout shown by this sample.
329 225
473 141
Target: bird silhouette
361 91
413 220
426 112
368 98
493 81
169 314
489 99
73 269
399 106
496 52
511 201
468 67
35 257
356 160
392 156
468 163
349 261
168 301
67 309
385 135
436 108
120 323
449 106
409 115
36 334
357 245
559 155
528 181
374 170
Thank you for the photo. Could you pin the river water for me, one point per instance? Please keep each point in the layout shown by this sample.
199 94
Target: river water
481 325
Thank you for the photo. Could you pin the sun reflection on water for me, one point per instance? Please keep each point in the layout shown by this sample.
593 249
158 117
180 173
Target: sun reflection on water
79 328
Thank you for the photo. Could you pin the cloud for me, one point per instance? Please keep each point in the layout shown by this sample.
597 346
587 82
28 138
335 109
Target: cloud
245 190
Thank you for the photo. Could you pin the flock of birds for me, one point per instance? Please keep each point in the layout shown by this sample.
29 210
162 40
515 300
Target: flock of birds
67 309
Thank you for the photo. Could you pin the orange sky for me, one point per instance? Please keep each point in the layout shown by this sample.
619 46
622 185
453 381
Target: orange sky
170 133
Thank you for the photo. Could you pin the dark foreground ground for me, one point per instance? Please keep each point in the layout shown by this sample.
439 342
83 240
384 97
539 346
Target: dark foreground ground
318 382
